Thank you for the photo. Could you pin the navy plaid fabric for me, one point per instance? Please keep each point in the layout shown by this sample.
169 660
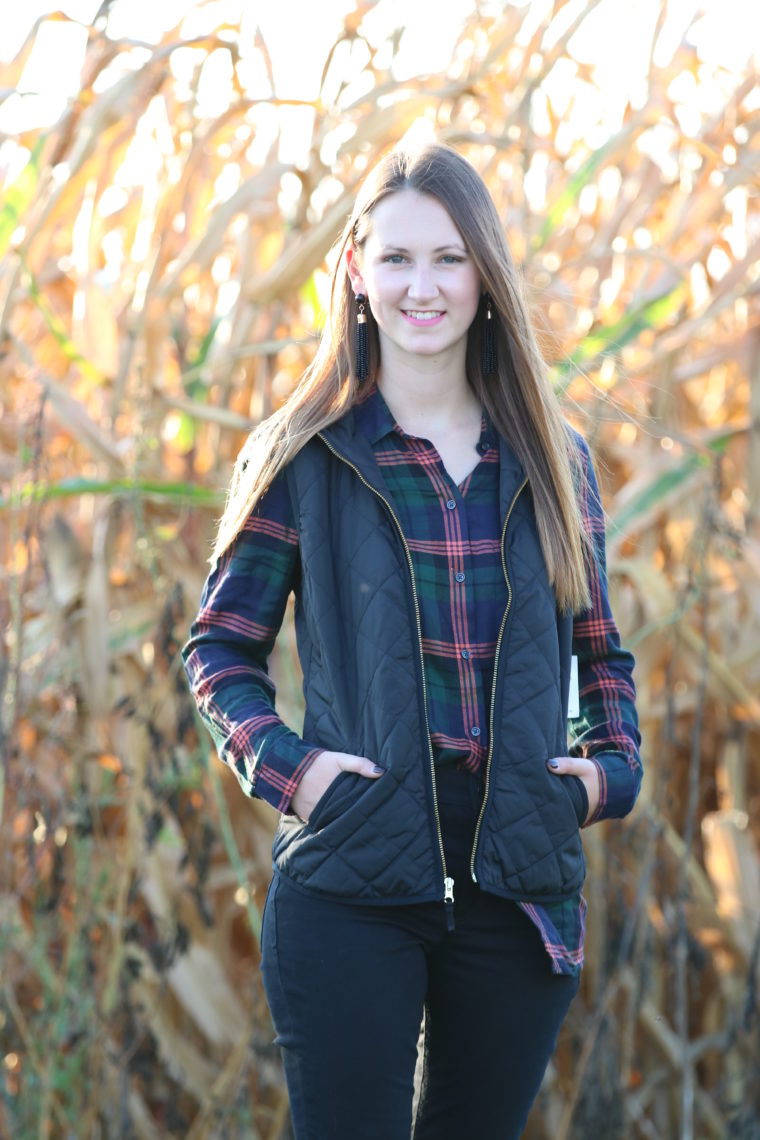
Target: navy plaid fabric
453 533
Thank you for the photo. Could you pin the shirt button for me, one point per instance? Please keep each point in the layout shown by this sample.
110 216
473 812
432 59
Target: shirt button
474 731
459 576
466 654
451 504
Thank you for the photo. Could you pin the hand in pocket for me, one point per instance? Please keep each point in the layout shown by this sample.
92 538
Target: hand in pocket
586 770
321 773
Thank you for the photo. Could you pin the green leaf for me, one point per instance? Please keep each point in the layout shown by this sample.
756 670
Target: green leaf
571 193
206 343
310 295
183 438
58 329
661 486
192 381
609 339
145 488
19 195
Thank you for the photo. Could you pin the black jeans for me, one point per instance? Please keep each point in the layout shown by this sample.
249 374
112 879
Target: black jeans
347 984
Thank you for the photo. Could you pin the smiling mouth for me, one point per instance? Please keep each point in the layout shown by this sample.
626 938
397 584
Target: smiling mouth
423 314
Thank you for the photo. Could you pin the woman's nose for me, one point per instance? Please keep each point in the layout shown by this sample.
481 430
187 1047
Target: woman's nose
422 286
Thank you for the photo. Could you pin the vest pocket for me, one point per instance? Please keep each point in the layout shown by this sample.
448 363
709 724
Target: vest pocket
334 799
576 790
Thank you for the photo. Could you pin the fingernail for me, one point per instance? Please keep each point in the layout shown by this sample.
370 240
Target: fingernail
377 770
553 763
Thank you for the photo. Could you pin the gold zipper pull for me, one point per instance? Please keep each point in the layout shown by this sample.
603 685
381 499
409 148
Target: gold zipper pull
448 899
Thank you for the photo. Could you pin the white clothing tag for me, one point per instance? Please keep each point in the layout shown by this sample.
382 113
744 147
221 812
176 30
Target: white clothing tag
573 703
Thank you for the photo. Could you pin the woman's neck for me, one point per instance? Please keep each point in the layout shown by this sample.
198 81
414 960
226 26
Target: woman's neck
429 399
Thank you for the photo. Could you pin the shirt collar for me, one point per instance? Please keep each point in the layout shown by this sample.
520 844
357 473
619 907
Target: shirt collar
374 420
373 416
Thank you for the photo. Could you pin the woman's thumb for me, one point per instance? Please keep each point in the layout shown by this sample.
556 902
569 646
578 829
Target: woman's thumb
362 765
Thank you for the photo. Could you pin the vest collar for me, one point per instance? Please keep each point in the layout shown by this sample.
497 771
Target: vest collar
353 434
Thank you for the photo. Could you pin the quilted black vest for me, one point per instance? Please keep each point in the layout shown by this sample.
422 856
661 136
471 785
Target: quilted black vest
357 628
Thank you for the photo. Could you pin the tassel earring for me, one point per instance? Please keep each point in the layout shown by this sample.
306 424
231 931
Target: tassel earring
362 340
489 340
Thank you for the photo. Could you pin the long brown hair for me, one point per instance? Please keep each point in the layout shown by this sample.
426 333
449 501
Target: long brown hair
519 399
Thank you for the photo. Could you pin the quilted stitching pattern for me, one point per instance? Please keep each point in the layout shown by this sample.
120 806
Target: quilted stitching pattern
376 839
544 855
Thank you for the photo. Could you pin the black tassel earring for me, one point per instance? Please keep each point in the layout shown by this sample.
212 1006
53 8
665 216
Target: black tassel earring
489 340
362 340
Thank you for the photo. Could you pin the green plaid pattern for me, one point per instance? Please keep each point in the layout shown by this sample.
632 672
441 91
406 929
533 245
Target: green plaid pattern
453 533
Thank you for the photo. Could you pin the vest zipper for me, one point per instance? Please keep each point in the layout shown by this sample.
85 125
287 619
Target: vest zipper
516 496
448 882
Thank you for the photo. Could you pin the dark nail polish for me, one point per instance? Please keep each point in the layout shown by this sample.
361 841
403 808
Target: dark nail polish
553 763
377 769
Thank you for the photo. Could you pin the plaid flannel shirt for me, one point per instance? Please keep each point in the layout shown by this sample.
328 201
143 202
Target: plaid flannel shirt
453 533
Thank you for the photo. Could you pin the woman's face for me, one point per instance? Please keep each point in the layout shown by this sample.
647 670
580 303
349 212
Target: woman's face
421 283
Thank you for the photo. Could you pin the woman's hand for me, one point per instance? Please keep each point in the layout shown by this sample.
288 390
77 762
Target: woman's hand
586 769
322 772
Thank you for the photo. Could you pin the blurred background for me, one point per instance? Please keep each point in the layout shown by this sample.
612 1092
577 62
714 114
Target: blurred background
173 176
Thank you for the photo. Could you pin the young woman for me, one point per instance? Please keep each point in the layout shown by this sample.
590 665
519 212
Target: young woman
440 525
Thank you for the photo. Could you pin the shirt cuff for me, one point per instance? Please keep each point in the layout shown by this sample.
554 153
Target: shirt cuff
618 787
281 769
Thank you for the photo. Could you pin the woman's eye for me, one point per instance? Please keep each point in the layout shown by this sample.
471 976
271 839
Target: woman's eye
447 259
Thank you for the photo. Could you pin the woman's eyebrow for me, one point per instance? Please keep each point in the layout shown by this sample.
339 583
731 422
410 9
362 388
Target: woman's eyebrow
438 249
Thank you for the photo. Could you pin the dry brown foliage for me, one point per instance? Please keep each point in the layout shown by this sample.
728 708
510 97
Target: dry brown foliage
149 315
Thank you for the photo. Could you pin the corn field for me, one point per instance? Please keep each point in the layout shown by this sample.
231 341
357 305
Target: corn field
162 281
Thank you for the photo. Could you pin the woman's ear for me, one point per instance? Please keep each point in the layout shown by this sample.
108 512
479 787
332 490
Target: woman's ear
354 272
